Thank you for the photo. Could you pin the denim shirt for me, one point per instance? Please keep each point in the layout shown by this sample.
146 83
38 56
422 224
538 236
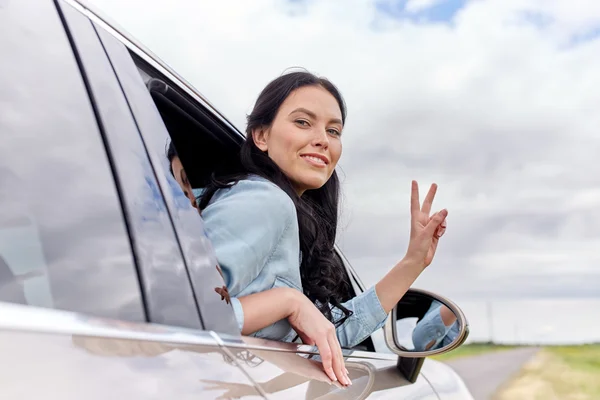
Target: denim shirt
431 333
253 227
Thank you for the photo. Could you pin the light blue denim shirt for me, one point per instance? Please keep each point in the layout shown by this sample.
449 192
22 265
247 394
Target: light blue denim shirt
431 333
254 230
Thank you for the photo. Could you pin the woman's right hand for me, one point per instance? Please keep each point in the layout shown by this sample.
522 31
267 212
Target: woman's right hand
314 329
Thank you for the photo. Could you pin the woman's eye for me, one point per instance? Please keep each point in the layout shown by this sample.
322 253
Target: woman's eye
334 132
302 122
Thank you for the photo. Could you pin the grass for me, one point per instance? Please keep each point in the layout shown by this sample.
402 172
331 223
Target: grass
472 349
558 372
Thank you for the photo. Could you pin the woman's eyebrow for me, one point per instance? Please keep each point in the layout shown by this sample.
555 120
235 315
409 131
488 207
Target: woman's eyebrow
314 116
305 111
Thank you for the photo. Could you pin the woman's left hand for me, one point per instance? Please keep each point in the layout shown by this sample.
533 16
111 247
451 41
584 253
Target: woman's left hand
425 233
425 229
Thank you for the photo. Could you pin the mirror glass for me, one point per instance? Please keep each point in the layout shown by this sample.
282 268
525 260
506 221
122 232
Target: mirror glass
424 323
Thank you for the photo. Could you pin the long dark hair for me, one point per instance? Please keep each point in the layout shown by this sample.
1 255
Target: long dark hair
323 276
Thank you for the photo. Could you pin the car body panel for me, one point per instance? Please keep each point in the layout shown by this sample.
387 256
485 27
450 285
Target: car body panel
445 381
62 355
271 364
54 174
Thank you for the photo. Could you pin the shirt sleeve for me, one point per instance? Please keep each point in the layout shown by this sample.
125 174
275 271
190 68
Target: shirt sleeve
245 224
368 316
238 311
430 331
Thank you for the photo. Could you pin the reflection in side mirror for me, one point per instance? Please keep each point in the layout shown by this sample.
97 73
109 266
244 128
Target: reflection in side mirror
424 324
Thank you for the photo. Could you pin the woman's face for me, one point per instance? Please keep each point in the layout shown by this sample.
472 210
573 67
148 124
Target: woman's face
181 178
304 139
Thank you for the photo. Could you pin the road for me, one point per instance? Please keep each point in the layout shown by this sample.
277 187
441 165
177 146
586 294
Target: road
484 374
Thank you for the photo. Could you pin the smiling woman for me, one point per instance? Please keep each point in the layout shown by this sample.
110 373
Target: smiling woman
273 225
304 142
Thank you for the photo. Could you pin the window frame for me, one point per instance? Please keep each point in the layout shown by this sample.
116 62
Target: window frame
197 252
165 288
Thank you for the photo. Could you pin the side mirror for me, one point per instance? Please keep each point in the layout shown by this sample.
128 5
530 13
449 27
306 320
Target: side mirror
423 324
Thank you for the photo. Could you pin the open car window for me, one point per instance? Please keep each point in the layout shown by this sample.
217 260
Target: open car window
203 142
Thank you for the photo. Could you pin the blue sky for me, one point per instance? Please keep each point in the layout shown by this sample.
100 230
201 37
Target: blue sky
586 36
439 11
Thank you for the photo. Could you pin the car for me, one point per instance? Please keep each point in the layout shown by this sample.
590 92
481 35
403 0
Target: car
109 286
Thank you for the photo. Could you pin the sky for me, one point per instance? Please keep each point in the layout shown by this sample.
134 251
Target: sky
494 100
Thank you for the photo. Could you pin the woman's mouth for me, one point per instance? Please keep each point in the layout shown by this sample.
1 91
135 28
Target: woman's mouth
316 160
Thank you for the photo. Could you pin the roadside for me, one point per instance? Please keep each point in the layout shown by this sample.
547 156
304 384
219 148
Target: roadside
485 373
561 373
472 349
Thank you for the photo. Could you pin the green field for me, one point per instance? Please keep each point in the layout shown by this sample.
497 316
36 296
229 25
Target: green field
555 373
558 372
472 349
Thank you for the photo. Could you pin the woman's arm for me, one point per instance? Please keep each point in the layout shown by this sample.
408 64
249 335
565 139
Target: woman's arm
424 236
396 283
370 309
265 308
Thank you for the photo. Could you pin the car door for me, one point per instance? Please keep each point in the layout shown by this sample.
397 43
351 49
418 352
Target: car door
74 300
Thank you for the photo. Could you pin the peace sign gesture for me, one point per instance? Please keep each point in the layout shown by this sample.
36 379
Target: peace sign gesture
425 229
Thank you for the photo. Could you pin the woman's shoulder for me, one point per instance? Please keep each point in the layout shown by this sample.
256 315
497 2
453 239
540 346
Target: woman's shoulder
259 194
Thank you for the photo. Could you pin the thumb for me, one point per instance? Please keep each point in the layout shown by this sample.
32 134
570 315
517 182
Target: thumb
435 222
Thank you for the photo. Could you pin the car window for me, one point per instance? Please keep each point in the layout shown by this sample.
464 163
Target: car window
200 260
63 241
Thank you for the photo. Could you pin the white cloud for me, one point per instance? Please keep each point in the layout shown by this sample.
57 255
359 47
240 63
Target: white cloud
499 108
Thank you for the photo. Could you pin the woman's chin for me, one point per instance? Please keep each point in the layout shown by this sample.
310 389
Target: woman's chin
312 183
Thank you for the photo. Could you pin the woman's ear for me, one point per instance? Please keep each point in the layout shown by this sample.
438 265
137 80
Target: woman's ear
260 136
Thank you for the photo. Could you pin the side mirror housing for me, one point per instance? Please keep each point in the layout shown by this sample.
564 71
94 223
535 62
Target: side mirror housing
423 324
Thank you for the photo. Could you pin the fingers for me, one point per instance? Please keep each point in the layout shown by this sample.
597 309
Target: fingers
306 340
429 199
441 229
415 205
326 357
338 360
435 222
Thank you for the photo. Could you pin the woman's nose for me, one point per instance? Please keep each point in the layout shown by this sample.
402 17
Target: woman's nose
321 138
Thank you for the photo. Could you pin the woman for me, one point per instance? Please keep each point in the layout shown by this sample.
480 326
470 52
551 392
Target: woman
273 226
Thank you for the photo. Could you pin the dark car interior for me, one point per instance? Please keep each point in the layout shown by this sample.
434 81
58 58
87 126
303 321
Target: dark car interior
204 144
